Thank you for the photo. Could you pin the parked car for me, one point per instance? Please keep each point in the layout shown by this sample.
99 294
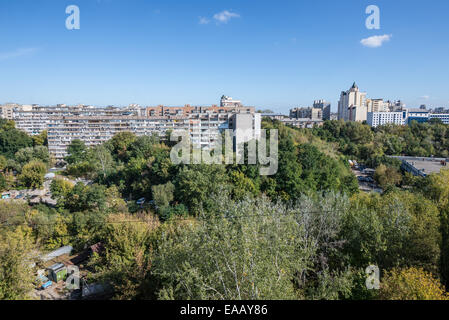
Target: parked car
140 202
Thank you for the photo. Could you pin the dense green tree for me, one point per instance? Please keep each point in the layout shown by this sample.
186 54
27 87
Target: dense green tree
39 153
411 284
253 249
121 142
399 229
60 189
387 177
77 152
11 139
289 184
16 256
32 175
41 139
436 187
127 260
195 183
3 163
163 194
82 197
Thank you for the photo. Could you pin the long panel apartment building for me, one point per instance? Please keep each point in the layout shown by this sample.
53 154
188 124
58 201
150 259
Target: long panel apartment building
97 125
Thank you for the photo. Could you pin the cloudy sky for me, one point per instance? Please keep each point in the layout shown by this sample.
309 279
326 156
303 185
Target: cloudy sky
271 54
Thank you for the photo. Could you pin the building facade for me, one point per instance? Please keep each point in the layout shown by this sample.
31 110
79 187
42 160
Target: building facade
352 105
375 119
444 117
418 115
325 107
95 126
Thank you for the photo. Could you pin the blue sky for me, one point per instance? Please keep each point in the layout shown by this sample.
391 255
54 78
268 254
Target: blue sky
271 54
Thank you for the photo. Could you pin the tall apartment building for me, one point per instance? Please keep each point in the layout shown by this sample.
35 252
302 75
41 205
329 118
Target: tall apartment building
325 107
6 111
204 128
376 105
352 105
246 127
97 125
35 119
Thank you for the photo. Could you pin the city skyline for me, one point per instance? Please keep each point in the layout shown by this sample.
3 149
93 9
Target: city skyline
267 56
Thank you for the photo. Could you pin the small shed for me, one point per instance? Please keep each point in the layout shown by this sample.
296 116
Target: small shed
57 272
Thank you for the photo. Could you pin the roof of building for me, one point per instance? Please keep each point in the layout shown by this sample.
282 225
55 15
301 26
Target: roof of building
56 267
98 247
56 253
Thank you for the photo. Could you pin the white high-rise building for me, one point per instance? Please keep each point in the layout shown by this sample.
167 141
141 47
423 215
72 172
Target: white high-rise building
376 119
352 105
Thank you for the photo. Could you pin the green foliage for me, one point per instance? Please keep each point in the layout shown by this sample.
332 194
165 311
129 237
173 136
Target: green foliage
360 142
128 258
41 139
163 194
15 259
289 184
254 249
387 177
303 233
242 186
436 187
195 184
121 142
38 153
77 152
60 189
168 213
411 284
32 175
399 229
3 163
253 255
11 139
82 198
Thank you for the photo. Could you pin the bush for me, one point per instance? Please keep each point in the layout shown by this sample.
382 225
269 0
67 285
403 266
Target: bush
411 284
32 175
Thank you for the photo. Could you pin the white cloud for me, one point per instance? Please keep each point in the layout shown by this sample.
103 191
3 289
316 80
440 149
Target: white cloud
425 97
17 53
225 16
204 20
376 41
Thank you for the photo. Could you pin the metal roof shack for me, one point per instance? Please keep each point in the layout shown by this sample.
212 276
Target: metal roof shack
57 272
